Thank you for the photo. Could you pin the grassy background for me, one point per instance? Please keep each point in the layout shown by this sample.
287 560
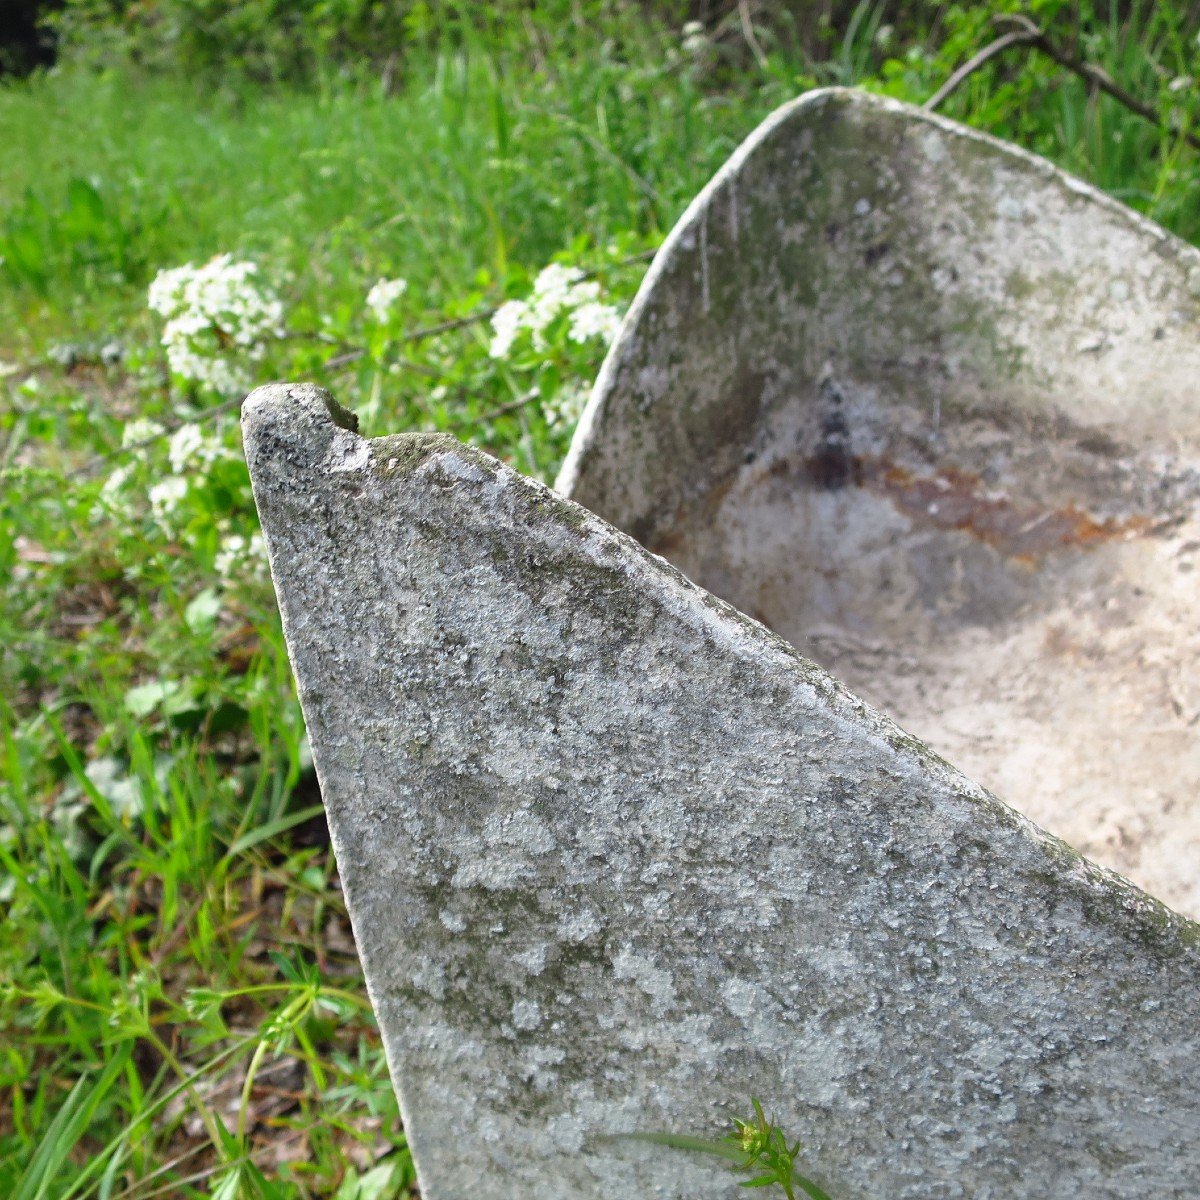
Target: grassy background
181 1011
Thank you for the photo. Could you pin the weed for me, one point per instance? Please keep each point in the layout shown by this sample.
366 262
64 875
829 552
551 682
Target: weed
756 1147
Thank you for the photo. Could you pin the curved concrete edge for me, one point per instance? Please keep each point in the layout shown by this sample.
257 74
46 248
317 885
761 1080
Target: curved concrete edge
592 432
618 858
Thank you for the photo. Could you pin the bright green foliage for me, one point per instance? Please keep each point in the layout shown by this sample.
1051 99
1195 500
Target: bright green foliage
768 1159
306 41
181 1011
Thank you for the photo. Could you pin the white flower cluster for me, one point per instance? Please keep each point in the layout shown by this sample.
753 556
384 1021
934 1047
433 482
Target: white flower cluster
166 496
138 431
695 41
114 486
134 436
219 315
594 320
241 555
567 406
190 450
121 791
556 290
191 446
382 298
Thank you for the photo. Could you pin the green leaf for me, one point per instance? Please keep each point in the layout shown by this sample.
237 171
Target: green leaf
144 698
681 1141
376 1184
379 1183
85 204
810 1189
201 613
229 1185
263 832
70 1123
260 1186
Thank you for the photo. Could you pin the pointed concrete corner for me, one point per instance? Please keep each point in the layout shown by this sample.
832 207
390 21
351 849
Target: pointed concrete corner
619 859
285 425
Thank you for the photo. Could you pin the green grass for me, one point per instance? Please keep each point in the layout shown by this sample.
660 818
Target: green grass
181 1011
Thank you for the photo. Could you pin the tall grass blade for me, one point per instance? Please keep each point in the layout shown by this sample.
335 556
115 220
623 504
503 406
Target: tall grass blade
68 1127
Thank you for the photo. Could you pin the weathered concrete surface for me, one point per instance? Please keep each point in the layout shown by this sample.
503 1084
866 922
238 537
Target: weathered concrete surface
930 409
619 858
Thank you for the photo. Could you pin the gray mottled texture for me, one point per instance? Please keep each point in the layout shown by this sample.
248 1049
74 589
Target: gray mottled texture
619 858
930 409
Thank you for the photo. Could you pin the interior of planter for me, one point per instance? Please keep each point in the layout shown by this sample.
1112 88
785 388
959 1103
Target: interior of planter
929 409
1019 594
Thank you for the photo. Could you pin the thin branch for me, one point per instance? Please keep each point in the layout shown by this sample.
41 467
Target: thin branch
88 468
354 353
417 335
1098 78
338 360
751 37
960 76
1030 34
511 406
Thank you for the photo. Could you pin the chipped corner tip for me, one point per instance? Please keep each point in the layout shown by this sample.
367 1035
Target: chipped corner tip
294 428
290 426
289 401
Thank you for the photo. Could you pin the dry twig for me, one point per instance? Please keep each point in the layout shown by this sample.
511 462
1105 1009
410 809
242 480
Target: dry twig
750 36
962 74
1029 33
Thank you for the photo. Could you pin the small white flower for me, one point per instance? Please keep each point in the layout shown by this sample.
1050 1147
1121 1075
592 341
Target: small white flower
695 41
594 320
167 289
123 793
556 291
185 444
507 322
241 555
189 445
164 497
114 485
139 431
567 406
218 374
233 548
381 299
554 283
